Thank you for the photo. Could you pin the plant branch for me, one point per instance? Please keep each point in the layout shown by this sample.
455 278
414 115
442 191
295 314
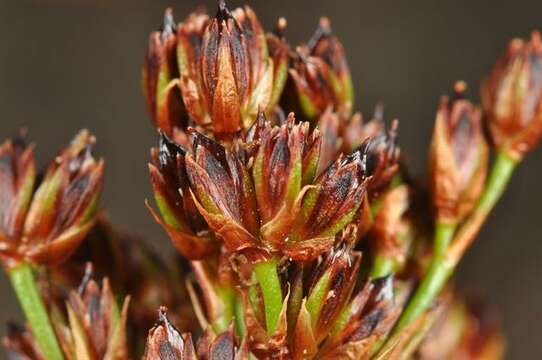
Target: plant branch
22 280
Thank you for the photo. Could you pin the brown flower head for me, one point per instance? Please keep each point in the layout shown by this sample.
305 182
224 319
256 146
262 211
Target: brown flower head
512 97
165 342
160 78
226 73
96 327
331 285
368 317
46 225
179 215
321 76
222 189
330 205
285 164
458 157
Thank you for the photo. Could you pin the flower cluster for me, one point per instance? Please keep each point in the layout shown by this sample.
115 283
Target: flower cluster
301 234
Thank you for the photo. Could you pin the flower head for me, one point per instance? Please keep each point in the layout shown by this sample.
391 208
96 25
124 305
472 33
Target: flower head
512 97
285 164
226 72
458 157
179 215
46 225
331 204
166 342
320 74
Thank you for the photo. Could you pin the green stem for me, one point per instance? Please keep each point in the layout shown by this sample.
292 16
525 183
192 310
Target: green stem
433 281
22 280
383 265
268 278
501 172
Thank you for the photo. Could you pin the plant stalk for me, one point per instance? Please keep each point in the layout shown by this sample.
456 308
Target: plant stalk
434 279
22 280
267 276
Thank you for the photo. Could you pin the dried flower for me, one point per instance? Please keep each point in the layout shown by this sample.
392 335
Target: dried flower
226 73
160 78
330 205
46 225
512 97
370 315
165 343
97 328
223 191
285 164
321 76
180 217
458 158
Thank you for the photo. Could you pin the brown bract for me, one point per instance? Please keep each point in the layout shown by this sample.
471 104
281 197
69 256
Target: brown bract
45 225
321 76
458 158
512 97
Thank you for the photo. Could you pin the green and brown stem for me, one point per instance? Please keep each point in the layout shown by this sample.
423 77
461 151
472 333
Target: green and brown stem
22 280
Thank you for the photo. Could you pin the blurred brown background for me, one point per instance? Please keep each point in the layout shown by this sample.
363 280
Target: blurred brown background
67 64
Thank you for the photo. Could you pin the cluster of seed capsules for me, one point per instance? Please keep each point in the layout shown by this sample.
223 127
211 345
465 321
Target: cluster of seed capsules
271 188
